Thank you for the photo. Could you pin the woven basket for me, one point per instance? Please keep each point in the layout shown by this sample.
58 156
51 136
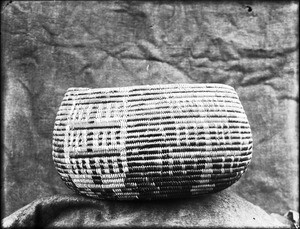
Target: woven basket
151 142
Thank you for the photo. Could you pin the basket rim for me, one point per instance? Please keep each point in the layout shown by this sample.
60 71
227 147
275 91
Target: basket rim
151 86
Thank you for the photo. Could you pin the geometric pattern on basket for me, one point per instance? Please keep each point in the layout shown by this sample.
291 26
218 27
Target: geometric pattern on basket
151 141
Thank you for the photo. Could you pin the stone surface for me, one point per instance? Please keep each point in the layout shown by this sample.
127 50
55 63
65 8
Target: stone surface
284 220
220 210
51 46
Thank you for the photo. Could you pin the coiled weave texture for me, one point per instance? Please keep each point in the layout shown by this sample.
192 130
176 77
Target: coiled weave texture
151 142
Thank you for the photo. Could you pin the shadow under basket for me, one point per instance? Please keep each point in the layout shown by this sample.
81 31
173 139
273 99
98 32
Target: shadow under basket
151 141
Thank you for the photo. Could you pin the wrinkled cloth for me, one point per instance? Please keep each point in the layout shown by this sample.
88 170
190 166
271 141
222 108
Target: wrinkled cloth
49 46
223 209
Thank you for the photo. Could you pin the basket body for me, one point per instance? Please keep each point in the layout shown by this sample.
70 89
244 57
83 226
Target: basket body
151 142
